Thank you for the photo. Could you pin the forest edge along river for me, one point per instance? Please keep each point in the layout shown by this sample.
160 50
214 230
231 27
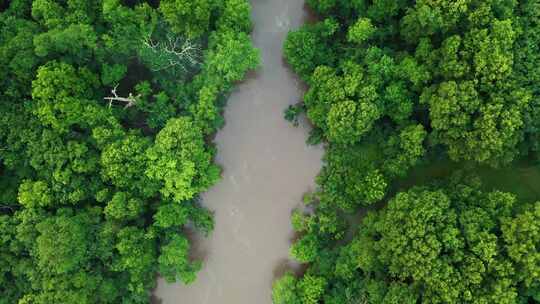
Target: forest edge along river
267 167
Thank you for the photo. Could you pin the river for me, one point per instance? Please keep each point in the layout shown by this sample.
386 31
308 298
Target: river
266 169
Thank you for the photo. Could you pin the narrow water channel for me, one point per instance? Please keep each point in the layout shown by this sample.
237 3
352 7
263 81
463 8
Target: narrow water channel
266 169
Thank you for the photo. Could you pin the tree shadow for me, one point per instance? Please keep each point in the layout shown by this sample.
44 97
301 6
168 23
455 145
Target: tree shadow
133 3
223 99
155 300
197 252
285 266
310 16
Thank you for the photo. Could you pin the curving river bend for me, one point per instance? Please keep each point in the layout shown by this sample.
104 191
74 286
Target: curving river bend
266 169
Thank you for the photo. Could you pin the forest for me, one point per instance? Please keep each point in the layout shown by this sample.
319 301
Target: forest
108 109
429 111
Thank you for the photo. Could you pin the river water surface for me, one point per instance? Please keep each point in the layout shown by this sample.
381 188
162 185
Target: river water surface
266 169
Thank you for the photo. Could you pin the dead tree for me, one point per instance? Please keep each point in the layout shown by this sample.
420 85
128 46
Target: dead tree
172 52
129 101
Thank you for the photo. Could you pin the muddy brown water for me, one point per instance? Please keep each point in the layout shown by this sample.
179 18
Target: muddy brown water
266 169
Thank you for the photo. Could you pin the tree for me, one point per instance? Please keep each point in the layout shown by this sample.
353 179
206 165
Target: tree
124 207
309 47
361 31
447 59
454 232
171 215
311 289
74 43
189 18
236 16
103 104
231 56
404 151
63 242
289 290
136 257
522 239
63 96
348 121
35 194
174 261
284 290
181 163
18 60
10 286
171 53
428 86
124 163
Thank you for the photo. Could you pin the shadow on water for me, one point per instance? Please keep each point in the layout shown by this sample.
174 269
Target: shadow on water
310 16
196 252
224 98
155 300
287 266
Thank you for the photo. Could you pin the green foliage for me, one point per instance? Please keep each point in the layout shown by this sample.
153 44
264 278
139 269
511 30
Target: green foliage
63 95
124 163
361 31
74 43
17 59
359 175
398 84
289 290
180 162
310 46
230 57
284 290
482 246
459 62
190 18
35 194
455 233
348 121
311 289
522 238
122 206
103 155
171 215
174 261
61 244
236 16
305 249
136 257
112 74
292 114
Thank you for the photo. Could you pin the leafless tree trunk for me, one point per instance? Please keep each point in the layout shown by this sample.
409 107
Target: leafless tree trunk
129 101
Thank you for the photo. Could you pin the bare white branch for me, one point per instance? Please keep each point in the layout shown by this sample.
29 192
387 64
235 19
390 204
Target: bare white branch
129 101
176 52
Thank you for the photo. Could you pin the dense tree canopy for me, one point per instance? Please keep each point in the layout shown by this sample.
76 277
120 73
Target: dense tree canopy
397 85
464 69
106 111
451 243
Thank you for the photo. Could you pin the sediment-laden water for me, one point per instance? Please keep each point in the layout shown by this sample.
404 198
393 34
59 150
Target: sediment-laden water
266 169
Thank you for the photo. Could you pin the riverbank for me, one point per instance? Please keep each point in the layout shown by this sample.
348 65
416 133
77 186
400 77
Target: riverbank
266 169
